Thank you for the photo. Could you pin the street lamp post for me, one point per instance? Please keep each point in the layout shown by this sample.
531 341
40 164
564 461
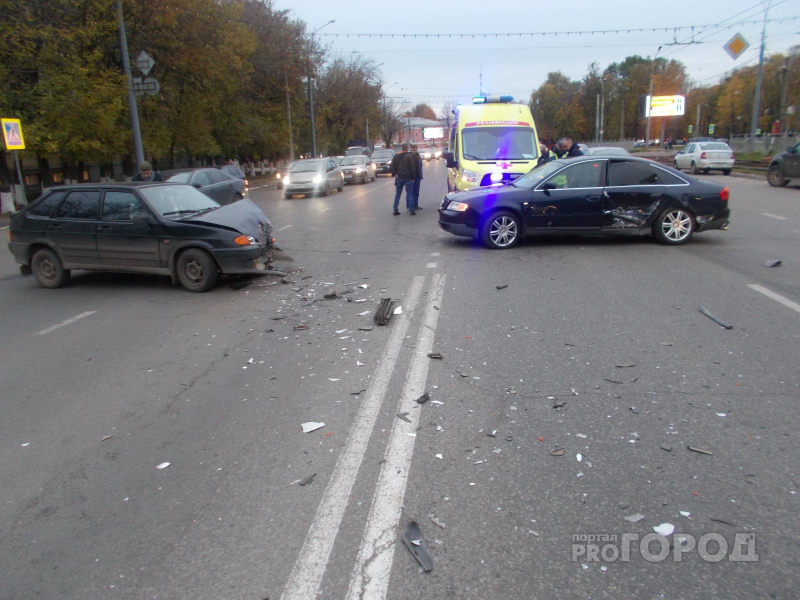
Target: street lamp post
126 67
385 118
311 92
650 100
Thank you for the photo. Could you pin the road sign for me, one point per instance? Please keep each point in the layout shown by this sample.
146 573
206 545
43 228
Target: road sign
690 129
148 85
758 132
144 62
736 46
665 106
710 129
12 134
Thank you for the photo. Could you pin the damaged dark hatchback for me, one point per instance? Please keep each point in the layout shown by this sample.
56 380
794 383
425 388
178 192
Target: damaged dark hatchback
160 228
589 194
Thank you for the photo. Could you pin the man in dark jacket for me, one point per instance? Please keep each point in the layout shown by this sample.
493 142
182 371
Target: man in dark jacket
418 178
146 173
568 149
404 169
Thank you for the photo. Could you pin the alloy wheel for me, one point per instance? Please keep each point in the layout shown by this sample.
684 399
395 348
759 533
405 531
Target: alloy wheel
503 231
676 225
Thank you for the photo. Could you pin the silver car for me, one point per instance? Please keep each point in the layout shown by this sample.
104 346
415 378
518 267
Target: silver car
358 168
313 176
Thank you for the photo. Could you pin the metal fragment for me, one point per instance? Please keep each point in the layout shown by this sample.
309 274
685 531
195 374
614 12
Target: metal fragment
424 398
699 450
416 545
772 263
715 318
308 479
404 416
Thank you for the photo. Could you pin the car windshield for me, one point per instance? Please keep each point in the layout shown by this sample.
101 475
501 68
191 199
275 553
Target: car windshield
714 146
538 174
352 160
499 143
356 150
308 166
387 154
177 200
180 177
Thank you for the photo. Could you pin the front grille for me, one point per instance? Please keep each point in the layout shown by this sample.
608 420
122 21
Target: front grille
487 179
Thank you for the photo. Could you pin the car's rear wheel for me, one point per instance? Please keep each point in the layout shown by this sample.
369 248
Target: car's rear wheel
694 168
48 270
501 230
674 226
726 171
775 177
197 271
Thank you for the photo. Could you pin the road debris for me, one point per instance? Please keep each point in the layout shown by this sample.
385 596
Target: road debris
665 446
398 311
579 457
685 513
436 521
357 393
723 521
435 355
612 381
664 529
105 437
625 366
308 479
404 416
440 457
331 296
384 311
363 314
312 426
557 452
772 263
715 318
424 398
502 287
699 450
333 379
635 518
302 327
365 328
624 505
581 435
163 465
558 404
416 545
493 434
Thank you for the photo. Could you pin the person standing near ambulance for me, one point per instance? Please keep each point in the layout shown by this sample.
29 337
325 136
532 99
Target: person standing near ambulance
404 170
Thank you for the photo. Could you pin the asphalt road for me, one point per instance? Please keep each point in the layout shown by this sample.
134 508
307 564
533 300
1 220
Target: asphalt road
218 384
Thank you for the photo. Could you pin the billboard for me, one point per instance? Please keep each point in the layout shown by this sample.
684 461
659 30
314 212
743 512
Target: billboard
432 133
664 106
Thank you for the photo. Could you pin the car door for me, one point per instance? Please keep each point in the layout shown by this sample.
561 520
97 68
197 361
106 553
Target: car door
569 199
330 174
634 191
202 182
73 228
223 185
120 241
791 162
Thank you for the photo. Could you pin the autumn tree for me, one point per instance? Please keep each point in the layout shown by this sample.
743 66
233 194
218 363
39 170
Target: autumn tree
423 111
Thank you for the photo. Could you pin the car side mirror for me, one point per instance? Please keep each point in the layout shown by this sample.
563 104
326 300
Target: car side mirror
549 186
197 185
142 218
452 163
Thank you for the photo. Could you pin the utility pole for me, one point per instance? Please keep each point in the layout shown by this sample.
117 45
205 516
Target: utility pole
784 90
602 106
366 139
597 120
650 101
622 121
311 92
697 122
289 115
126 67
757 99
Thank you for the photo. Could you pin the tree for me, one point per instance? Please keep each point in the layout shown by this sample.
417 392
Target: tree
424 111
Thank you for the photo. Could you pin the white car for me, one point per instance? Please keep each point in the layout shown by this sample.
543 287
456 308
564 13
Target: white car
704 156
358 168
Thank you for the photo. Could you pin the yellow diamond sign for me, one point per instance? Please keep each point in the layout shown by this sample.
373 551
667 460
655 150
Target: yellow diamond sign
736 46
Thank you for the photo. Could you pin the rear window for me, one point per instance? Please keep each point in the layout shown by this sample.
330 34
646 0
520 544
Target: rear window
623 173
715 146
180 177
79 205
217 176
46 206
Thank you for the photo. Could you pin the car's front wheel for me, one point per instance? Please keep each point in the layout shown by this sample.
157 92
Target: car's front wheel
673 226
775 177
197 271
675 165
326 191
694 168
501 230
726 171
48 270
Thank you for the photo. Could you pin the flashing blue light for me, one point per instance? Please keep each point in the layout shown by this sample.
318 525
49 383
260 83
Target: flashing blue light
478 99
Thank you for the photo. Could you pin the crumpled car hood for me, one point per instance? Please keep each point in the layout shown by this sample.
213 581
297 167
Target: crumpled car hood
243 216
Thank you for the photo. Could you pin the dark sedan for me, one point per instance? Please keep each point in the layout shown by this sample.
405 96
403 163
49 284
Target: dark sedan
235 172
784 166
162 228
383 161
589 195
217 185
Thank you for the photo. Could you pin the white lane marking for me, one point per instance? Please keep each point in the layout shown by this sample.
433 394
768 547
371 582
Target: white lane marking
324 209
774 216
284 227
436 253
777 297
65 323
370 577
372 189
307 573
430 266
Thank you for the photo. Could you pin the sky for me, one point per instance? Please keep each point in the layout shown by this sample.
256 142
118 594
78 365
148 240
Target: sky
435 70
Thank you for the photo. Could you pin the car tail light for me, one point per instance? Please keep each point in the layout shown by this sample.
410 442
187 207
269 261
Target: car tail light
724 194
244 240
733 155
703 156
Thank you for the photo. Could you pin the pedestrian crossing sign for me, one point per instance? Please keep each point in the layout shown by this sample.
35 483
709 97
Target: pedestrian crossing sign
12 134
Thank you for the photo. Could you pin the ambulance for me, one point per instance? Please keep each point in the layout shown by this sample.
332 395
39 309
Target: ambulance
493 140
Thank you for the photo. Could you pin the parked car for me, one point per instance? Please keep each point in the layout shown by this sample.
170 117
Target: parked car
383 161
638 144
358 168
215 184
142 227
235 172
784 166
589 195
705 156
606 151
282 173
313 176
